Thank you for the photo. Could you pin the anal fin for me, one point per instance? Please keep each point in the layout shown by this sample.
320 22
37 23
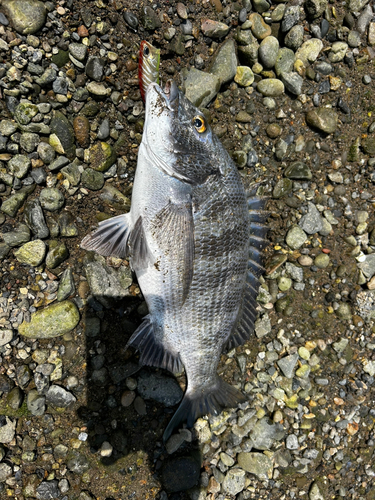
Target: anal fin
153 353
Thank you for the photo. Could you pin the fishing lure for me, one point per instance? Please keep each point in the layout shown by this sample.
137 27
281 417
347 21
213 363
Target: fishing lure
148 68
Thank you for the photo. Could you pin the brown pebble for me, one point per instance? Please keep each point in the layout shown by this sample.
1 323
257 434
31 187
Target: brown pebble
273 130
127 398
83 289
82 31
357 320
181 10
81 127
305 260
130 65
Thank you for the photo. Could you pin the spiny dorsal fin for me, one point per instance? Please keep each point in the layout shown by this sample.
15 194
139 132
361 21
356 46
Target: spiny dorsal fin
258 232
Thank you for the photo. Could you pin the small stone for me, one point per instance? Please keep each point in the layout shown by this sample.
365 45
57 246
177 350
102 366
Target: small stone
11 205
36 403
102 156
284 61
72 174
295 237
106 449
224 64
81 127
16 238
150 19
288 364
78 51
294 38
52 321
234 481
77 463
57 253
292 442
51 199
6 336
270 87
19 166
29 141
259 27
263 326
324 119
311 223
282 188
66 286
316 491
293 82
299 171
5 472
291 17
214 29
61 161
309 50
338 51
159 388
127 398
255 463
26 16
31 253
63 130
68 228
59 397
98 89
7 430
344 311
46 152
268 51
34 219
95 68
131 19
92 180
199 87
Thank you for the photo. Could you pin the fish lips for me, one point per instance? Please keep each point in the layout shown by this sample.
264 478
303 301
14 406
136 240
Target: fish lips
165 99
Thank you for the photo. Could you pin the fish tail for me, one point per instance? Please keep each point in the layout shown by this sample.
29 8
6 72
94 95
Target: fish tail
210 399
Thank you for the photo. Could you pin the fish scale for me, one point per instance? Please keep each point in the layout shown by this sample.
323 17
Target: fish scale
195 242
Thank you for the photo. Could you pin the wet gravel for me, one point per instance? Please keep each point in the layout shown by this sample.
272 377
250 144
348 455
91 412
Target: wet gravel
289 89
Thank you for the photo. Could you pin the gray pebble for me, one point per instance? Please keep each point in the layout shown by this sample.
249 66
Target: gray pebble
51 199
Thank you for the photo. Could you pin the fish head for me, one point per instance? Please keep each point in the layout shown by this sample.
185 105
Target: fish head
178 136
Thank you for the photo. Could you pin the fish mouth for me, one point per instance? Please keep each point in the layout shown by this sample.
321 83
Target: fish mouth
168 97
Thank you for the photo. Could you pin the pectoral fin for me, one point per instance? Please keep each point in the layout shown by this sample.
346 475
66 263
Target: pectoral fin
139 252
111 238
173 229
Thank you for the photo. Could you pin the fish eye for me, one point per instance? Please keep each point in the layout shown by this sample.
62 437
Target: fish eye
200 124
146 51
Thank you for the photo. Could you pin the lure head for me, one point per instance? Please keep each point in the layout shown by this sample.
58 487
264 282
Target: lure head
148 67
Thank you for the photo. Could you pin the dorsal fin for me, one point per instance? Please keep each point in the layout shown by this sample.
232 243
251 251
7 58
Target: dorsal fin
258 231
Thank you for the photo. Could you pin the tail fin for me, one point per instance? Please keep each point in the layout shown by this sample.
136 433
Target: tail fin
211 399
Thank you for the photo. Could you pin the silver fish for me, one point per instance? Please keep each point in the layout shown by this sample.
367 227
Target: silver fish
195 247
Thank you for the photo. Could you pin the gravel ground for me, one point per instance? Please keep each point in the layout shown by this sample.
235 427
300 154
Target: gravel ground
289 88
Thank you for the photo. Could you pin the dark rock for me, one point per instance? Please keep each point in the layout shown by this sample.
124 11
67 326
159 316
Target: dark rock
34 218
48 490
61 127
131 19
150 19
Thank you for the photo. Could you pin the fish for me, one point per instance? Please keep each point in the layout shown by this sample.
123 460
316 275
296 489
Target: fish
148 66
195 240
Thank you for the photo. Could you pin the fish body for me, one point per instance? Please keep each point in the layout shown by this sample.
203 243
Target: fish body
148 66
195 248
